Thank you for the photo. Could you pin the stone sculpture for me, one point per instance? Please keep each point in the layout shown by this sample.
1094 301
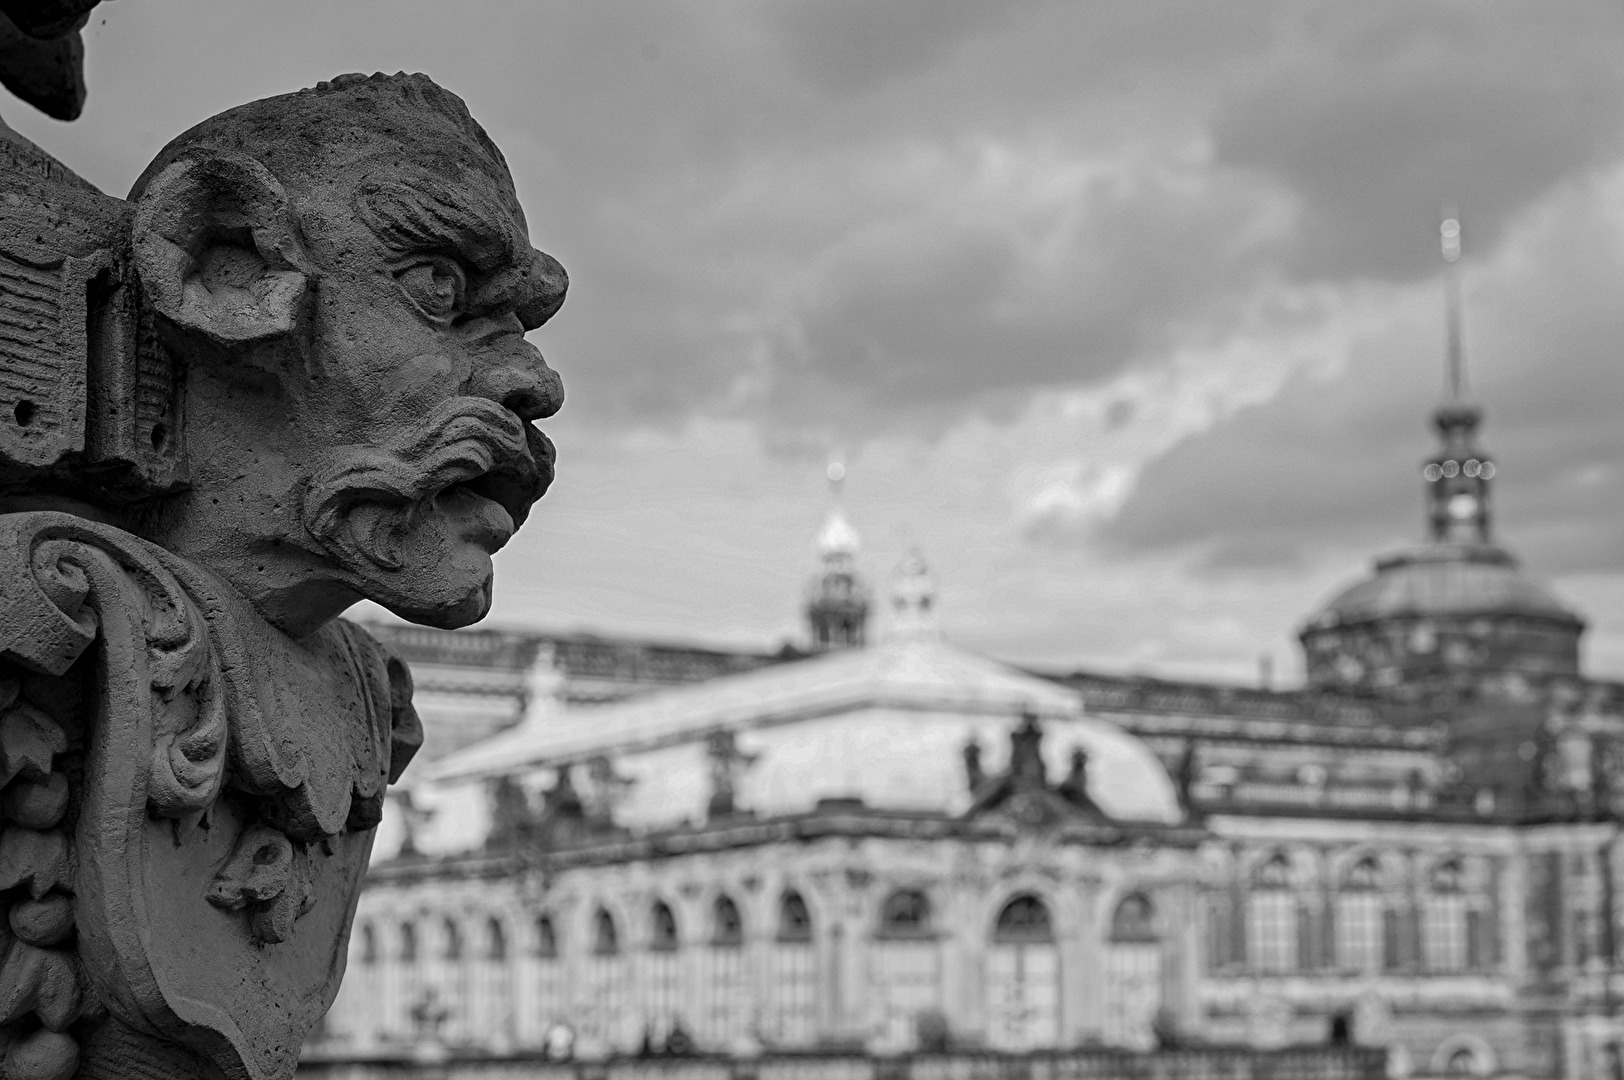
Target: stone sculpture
288 373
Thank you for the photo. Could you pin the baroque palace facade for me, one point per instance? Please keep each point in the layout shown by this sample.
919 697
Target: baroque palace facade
898 844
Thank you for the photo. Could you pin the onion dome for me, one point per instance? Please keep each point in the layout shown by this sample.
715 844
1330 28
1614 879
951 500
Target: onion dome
838 539
837 600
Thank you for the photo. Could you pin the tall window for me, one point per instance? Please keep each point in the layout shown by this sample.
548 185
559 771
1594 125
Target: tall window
727 924
794 920
369 944
546 938
408 941
1271 930
453 939
1023 978
495 939
1133 973
1359 942
906 966
1443 918
905 913
605 939
604 1014
726 994
662 928
793 1014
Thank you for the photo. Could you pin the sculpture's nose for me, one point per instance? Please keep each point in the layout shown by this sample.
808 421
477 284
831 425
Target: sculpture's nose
518 377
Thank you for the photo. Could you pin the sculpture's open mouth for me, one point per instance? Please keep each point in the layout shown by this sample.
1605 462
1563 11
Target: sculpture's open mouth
514 479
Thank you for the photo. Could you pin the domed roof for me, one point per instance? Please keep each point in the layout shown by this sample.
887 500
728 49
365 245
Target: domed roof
838 537
886 724
1444 579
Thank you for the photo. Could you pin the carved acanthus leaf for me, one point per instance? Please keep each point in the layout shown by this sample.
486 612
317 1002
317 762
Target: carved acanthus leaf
40 981
40 860
28 741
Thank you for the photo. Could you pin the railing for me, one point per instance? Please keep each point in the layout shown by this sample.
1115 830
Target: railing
1203 1063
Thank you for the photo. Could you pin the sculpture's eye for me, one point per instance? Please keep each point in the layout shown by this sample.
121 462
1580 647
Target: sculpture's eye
437 285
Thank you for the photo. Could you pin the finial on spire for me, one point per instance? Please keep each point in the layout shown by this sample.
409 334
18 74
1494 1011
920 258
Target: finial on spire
1449 236
1458 475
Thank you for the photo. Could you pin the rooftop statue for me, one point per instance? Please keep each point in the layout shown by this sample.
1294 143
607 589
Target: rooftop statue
287 374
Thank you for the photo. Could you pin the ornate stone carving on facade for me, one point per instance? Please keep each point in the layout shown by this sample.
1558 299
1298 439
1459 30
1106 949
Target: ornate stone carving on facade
727 761
288 374
1023 793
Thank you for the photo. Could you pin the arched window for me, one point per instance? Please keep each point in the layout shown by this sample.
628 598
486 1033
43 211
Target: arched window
905 913
369 944
605 939
1274 873
1271 930
1463 1055
1134 921
662 936
1025 918
1448 877
408 941
546 938
1443 918
727 924
495 939
1360 942
1021 976
794 920
453 940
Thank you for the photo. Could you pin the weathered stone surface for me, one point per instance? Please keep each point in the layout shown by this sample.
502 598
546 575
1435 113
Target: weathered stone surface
289 373
42 58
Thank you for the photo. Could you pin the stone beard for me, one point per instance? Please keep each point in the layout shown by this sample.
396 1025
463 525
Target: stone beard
289 373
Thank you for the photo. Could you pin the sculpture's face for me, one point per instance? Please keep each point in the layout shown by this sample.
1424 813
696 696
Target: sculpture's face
424 291
360 391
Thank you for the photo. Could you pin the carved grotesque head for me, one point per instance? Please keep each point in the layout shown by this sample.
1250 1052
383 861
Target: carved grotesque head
346 274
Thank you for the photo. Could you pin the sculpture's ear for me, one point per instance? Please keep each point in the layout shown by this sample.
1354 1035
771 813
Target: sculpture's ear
218 250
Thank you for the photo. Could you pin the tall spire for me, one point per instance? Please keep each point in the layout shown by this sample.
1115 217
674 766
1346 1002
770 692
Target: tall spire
838 597
1449 237
1458 475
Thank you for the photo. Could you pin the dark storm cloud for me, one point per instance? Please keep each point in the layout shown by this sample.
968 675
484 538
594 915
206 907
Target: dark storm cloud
796 211
1278 143
854 46
1332 464
1374 114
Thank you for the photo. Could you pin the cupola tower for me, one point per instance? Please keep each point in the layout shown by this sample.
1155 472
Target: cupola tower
837 601
1455 614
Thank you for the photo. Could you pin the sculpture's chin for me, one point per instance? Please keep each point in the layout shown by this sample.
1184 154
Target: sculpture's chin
444 610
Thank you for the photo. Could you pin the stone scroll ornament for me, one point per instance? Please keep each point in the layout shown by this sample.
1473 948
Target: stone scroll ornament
288 373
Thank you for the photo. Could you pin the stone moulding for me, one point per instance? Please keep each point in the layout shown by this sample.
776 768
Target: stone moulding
286 375
185 681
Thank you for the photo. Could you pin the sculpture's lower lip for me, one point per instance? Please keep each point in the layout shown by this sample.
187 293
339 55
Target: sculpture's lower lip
477 519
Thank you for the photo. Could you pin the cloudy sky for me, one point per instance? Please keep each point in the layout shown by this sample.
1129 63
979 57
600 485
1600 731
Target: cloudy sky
1127 314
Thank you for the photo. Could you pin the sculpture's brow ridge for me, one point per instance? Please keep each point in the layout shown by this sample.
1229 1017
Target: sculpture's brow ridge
430 216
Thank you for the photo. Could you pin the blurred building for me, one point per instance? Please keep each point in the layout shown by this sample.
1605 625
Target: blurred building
890 843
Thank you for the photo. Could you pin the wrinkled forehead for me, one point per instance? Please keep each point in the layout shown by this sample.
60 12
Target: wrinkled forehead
460 206
424 199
